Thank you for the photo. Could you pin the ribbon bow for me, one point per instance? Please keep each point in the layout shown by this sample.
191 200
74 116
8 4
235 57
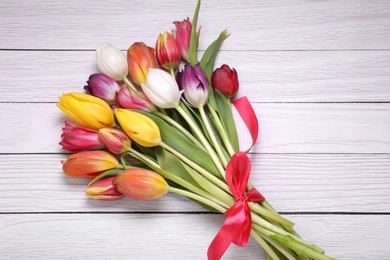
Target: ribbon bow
237 226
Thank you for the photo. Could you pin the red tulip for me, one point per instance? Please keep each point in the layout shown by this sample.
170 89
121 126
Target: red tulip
183 36
88 164
76 138
168 52
225 80
104 190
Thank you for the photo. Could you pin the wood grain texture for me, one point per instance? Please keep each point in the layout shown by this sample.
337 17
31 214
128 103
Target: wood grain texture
180 236
292 183
314 76
258 25
284 128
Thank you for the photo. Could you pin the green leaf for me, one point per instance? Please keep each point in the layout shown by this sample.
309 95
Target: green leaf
172 164
194 37
104 175
224 111
175 139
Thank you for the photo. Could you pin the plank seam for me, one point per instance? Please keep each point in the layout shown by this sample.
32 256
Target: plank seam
183 213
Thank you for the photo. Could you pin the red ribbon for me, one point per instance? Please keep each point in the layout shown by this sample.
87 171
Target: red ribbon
237 226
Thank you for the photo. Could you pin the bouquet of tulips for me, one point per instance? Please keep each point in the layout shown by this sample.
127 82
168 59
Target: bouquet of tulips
161 121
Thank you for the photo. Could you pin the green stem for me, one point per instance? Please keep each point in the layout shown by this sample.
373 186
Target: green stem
202 139
291 243
156 167
269 215
180 128
130 85
173 73
277 230
221 130
286 252
198 198
196 167
212 136
268 250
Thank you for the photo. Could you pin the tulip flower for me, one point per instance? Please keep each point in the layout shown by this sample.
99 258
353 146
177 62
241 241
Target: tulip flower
102 86
75 138
183 36
111 61
88 163
104 190
161 88
141 184
86 110
168 53
140 58
193 82
115 140
225 80
136 101
141 129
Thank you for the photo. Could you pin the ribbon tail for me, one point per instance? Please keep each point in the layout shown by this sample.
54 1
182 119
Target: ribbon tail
220 244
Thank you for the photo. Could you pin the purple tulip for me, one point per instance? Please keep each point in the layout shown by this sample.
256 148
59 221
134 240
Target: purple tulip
102 86
195 85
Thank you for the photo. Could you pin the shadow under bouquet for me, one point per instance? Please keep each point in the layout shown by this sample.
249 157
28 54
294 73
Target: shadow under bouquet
160 120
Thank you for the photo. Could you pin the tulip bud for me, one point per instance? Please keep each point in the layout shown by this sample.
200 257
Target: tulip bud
183 36
88 164
140 58
161 88
141 184
141 129
102 86
225 80
103 190
75 138
136 101
115 140
168 53
195 85
111 61
86 110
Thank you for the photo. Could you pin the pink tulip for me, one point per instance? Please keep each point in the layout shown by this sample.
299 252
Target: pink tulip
104 190
76 138
183 36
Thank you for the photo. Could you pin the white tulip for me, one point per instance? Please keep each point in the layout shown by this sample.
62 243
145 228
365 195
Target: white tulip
161 88
111 61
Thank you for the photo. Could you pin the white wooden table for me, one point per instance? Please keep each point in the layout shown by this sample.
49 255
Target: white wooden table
317 73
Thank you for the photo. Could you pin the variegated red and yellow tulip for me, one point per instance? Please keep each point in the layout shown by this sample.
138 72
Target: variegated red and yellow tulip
141 129
103 190
86 110
141 184
168 53
140 59
115 140
76 138
89 164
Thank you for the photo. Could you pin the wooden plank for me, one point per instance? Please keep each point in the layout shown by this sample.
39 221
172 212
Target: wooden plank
175 236
319 76
261 25
284 128
292 183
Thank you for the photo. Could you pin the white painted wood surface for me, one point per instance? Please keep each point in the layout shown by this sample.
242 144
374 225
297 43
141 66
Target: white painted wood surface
317 72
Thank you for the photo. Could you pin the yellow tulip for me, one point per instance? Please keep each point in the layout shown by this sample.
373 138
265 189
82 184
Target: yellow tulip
141 129
86 110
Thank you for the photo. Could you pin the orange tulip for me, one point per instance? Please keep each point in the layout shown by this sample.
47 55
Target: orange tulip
89 164
140 58
141 184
